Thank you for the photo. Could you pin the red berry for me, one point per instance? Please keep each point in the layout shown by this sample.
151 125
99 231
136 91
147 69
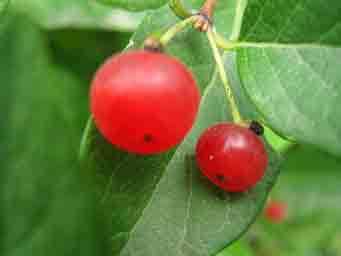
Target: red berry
144 102
231 156
276 211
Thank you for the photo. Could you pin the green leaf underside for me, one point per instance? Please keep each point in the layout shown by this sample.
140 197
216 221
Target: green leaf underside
162 205
291 70
77 14
135 5
47 202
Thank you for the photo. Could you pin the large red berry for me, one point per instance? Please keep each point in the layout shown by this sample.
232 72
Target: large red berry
231 156
276 211
144 102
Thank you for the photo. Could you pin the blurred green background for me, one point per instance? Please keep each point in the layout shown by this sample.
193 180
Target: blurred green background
49 50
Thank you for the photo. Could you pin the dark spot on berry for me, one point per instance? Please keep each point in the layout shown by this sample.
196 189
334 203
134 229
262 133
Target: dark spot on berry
148 138
220 177
257 128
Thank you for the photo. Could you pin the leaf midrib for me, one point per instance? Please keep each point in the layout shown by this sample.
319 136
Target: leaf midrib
250 44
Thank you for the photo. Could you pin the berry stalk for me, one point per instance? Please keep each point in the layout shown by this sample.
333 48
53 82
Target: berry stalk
199 23
178 27
237 118
205 16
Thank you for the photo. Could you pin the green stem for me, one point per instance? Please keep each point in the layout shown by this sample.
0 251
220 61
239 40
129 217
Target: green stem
232 45
223 43
85 141
238 19
221 69
179 9
166 37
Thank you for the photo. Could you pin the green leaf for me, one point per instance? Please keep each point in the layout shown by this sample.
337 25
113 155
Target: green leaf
161 204
135 5
47 201
290 68
77 14
292 22
3 6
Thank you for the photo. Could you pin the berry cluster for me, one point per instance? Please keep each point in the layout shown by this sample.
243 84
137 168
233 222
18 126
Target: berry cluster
145 102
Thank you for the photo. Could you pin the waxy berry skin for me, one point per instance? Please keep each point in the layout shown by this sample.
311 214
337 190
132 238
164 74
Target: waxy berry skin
231 156
276 211
144 102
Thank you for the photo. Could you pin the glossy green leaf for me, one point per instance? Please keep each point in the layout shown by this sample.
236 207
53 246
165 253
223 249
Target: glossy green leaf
161 204
48 204
135 5
293 22
290 68
51 14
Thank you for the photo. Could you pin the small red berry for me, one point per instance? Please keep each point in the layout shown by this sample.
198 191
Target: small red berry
231 156
144 102
276 211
